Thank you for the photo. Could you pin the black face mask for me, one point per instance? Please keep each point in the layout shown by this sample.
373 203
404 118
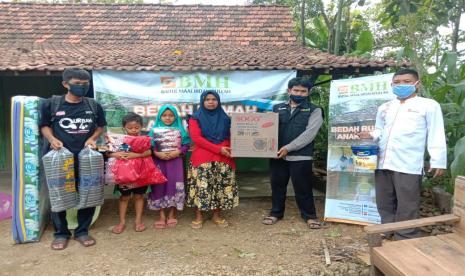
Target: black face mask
78 90
298 99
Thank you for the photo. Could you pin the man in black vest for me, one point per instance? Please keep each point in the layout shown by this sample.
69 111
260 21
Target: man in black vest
299 122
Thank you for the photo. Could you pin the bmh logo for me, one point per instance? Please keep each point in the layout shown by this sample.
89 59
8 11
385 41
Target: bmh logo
343 89
195 81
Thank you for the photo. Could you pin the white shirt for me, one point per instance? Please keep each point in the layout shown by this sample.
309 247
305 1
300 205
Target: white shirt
403 131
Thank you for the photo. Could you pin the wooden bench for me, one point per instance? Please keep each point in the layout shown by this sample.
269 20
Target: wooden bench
433 255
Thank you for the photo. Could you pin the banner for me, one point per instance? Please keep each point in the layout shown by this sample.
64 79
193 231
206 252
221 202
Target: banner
144 92
350 189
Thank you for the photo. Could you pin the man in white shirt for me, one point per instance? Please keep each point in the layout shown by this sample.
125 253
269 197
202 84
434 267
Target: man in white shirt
404 127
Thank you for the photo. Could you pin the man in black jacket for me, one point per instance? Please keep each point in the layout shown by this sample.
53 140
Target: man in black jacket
299 122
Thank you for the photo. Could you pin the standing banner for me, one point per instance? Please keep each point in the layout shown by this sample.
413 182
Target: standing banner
350 188
144 92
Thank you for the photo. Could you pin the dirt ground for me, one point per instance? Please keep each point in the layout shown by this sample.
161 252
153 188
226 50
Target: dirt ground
246 247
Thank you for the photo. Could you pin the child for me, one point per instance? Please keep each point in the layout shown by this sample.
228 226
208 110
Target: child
132 124
171 195
211 180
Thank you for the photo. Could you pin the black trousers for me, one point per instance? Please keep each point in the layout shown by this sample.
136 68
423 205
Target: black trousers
84 216
300 173
398 199
60 224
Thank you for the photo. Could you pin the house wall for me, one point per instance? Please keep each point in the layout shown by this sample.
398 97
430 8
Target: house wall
41 86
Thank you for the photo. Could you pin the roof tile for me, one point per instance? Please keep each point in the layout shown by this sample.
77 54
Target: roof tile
157 38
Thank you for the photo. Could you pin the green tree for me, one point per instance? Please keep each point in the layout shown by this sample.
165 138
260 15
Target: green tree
334 29
414 25
447 86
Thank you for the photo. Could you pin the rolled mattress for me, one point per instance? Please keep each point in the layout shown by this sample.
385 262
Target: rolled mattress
31 205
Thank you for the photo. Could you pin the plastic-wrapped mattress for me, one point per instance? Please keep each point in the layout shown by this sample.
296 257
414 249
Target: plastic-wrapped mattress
31 205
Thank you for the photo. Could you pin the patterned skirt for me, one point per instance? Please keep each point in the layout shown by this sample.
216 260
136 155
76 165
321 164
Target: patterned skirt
211 186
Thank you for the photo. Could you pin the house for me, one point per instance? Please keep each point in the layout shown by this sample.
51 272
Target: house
37 41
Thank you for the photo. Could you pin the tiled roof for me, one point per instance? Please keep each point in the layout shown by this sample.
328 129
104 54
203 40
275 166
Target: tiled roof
146 24
157 37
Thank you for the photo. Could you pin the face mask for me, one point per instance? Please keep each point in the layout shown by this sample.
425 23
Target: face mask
404 91
78 89
297 99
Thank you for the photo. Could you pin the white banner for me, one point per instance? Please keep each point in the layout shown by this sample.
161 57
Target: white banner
350 183
360 89
186 87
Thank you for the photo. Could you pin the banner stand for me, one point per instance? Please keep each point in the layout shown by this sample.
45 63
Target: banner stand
348 221
351 162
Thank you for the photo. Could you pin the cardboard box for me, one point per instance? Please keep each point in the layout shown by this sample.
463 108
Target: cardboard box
254 134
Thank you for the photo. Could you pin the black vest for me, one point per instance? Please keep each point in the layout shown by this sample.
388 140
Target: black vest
292 125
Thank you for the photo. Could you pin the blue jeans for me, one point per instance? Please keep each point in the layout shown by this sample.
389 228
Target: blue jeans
84 217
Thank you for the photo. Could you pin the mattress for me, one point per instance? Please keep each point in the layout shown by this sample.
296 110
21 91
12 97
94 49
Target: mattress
30 198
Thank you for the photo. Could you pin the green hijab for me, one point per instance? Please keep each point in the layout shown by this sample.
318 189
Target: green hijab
185 139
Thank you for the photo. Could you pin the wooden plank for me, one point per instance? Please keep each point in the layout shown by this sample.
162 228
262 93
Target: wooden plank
348 221
326 252
454 239
402 258
380 263
459 201
374 271
395 226
447 256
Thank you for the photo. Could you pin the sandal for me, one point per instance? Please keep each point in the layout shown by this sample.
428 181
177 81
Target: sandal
196 224
139 227
171 223
221 222
59 243
118 229
270 220
159 224
313 224
85 240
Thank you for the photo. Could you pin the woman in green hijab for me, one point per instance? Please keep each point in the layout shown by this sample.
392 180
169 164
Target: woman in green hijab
171 142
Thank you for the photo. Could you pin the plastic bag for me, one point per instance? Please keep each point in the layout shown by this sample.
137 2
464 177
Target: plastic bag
6 206
109 175
59 173
126 171
138 144
149 173
137 171
167 139
114 141
91 179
